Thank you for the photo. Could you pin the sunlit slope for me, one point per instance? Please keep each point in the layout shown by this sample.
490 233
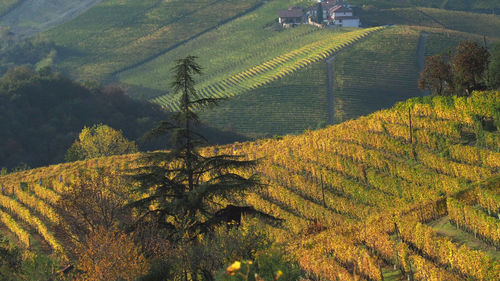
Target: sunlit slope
117 34
355 197
372 74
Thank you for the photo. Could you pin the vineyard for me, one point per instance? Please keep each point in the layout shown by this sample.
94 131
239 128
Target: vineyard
356 198
474 23
291 104
116 34
274 69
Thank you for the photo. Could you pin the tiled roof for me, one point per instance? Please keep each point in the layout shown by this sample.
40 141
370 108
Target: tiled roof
293 12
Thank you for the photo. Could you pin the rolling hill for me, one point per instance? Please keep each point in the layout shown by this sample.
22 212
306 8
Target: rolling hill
135 44
358 199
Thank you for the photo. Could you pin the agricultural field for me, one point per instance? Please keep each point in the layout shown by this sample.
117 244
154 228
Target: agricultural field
33 16
475 23
484 6
116 35
274 69
288 105
358 199
234 47
387 66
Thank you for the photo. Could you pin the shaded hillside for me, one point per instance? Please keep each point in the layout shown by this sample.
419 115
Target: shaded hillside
41 115
354 197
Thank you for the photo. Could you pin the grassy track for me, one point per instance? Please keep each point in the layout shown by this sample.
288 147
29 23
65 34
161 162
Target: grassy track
444 227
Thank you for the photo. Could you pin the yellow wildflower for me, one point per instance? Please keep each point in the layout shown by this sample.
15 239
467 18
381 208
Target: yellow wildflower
278 274
233 267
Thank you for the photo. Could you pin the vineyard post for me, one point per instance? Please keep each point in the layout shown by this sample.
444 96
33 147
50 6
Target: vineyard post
323 190
411 129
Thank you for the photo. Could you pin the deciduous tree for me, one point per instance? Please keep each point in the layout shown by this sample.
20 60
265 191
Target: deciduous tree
470 62
108 255
99 141
437 76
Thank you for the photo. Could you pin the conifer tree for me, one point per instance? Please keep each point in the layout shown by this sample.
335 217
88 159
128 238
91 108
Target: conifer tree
181 183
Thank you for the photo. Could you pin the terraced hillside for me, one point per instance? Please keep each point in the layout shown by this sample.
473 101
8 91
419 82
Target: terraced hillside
356 198
272 70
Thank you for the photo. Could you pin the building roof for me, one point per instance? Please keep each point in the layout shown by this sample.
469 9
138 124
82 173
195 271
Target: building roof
340 9
292 12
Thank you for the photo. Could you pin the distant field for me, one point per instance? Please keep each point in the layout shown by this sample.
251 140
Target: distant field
116 34
376 73
33 16
271 70
482 24
288 105
467 5
229 49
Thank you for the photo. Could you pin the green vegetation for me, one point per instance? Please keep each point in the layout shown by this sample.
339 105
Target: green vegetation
387 66
232 48
474 23
291 104
486 6
6 5
42 113
274 69
364 190
114 35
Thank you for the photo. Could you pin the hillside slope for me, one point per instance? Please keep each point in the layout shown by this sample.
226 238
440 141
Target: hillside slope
29 17
355 197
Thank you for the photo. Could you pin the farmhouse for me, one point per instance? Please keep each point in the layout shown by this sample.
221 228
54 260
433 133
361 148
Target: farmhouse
335 12
343 15
294 15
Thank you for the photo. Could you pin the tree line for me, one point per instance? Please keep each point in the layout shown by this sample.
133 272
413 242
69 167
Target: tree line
471 67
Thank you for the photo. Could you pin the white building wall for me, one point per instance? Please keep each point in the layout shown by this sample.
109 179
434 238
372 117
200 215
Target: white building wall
348 23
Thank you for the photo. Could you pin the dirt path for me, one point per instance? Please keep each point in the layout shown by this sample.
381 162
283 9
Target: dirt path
33 16
422 41
330 81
